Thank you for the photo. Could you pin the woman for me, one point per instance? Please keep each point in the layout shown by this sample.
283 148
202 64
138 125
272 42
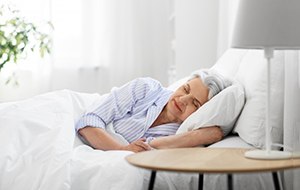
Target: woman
142 110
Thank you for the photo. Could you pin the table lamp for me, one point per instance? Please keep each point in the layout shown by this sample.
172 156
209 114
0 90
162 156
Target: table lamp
269 25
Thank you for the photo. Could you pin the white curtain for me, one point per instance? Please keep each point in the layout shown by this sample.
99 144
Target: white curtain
291 114
227 10
98 44
105 43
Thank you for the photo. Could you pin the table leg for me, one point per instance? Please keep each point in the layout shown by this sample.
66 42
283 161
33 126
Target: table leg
230 181
152 180
276 180
200 184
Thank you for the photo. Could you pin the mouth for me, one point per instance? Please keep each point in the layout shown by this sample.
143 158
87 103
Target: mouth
177 106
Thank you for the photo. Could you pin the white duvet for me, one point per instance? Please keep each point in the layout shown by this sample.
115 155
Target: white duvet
40 149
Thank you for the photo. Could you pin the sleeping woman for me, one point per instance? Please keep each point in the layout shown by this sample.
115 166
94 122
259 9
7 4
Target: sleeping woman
148 115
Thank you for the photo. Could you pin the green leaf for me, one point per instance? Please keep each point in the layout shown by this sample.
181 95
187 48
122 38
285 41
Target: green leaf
15 34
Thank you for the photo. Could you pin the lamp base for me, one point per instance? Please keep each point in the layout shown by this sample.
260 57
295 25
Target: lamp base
268 155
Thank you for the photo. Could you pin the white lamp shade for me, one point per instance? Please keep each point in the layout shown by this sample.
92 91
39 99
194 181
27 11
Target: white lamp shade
267 24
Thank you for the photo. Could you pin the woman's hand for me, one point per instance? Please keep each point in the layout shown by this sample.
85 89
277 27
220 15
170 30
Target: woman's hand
137 146
100 139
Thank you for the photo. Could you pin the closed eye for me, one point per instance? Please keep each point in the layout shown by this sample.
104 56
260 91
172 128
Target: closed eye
186 88
196 103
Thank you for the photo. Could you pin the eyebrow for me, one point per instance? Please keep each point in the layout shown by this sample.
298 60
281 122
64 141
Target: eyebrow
189 87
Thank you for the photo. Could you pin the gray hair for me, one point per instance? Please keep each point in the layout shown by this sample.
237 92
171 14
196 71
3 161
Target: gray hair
213 80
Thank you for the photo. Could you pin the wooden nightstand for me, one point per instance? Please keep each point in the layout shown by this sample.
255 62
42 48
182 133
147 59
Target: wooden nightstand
208 160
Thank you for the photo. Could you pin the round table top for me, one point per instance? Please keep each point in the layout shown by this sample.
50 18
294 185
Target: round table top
207 160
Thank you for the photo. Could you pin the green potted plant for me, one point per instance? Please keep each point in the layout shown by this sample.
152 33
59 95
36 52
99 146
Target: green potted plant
18 37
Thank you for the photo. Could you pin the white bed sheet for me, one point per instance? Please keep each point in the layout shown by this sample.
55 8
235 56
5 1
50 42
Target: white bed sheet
37 140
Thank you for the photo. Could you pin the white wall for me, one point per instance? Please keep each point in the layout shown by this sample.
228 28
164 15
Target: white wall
196 35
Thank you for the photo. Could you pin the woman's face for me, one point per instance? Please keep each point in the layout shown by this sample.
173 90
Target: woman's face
186 100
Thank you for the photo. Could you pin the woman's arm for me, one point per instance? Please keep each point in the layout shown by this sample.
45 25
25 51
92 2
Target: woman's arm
202 136
99 139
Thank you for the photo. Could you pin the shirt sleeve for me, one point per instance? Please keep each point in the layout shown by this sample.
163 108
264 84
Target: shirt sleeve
118 103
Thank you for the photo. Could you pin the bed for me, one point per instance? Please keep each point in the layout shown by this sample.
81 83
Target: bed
40 149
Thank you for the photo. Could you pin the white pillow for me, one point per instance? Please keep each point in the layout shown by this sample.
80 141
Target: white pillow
252 74
249 68
222 110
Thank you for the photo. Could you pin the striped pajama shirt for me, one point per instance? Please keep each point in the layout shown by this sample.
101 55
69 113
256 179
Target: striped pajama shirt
132 109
